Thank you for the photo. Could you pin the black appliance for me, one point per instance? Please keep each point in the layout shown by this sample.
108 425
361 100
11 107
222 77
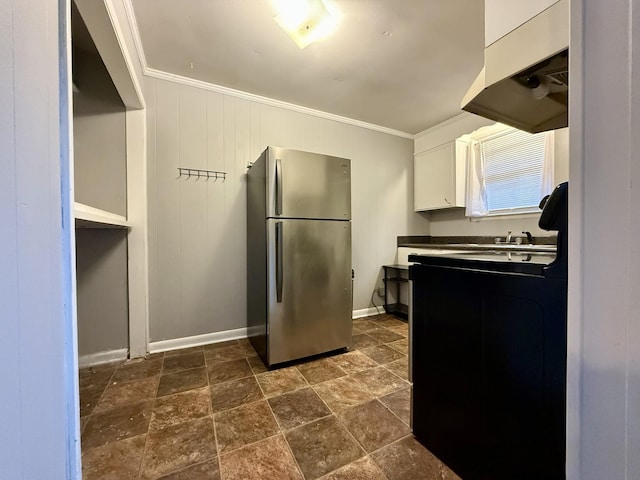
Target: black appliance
489 357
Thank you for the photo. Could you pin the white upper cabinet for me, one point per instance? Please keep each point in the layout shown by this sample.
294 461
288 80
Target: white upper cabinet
439 176
503 16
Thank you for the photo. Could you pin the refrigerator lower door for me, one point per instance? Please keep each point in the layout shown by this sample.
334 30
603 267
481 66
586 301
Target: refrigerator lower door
309 288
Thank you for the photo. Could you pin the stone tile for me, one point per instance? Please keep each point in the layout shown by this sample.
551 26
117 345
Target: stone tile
400 330
244 425
401 346
400 368
88 401
363 469
322 446
362 340
399 403
219 345
177 363
226 353
234 393
353 362
203 471
116 424
247 348
183 351
96 377
380 381
178 446
118 394
83 423
137 369
181 407
362 325
256 364
297 408
225 371
392 460
382 354
320 370
115 461
281 381
357 330
93 381
269 459
383 335
154 356
343 393
182 381
373 425
390 321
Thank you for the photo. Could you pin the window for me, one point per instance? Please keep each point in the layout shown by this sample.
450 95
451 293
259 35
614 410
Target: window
509 172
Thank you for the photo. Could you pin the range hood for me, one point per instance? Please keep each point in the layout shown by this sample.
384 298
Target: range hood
525 80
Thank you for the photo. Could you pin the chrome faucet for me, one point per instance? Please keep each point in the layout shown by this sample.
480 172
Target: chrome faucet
508 240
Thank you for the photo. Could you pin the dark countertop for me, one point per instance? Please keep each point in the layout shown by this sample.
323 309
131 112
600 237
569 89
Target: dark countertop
428 241
531 263
484 247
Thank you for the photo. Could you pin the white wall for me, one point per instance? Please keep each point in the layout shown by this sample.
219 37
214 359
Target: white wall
604 262
38 366
452 222
197 228
99 131
103 310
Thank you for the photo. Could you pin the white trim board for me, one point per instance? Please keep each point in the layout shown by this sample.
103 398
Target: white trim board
99 358
226 335
197 340
152 72
87 216
367 312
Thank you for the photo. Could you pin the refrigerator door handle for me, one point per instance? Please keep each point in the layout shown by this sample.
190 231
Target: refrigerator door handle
278 186
279 263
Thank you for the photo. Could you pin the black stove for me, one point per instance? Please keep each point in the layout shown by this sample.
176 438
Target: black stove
489 357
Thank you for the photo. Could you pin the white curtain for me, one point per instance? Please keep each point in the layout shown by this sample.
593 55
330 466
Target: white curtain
547 184
476 191
476 205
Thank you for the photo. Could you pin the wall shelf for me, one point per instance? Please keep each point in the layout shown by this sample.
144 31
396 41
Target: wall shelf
397 275
90 217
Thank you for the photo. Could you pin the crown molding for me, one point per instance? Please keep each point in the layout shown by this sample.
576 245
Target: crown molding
151 72
162 75
135 32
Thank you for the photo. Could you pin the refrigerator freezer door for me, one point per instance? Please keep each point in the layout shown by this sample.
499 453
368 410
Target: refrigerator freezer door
309 298
308 185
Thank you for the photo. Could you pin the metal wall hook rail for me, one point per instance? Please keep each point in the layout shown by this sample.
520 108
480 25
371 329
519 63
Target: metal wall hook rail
198 173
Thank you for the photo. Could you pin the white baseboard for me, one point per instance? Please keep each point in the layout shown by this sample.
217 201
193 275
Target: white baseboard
366 312
197 340
99 358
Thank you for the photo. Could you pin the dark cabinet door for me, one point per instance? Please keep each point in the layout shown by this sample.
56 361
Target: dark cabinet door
447 357
489 366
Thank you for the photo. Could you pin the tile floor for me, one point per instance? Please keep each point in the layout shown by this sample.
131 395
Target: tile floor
215 412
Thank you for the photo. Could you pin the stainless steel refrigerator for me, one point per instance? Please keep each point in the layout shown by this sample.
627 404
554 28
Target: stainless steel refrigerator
299 298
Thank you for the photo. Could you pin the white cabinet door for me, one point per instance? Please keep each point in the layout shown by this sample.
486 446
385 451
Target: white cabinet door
439 177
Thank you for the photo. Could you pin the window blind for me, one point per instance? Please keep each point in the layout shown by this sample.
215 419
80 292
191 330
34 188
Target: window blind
513 164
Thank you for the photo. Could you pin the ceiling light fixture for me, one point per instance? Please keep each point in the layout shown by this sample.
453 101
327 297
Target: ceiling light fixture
306 21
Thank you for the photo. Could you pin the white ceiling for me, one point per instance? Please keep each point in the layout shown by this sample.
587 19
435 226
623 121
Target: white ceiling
401 64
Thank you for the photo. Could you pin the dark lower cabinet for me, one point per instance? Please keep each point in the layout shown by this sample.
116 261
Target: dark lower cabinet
489 371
